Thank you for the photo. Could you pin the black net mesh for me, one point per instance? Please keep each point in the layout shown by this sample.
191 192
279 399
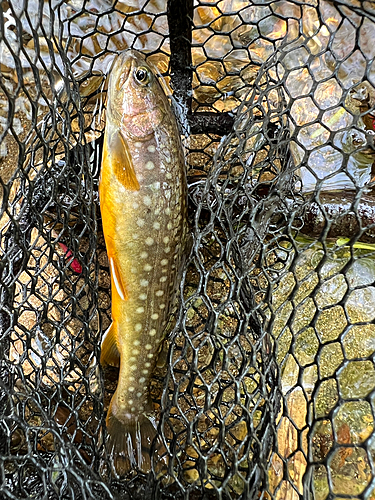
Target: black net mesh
268 389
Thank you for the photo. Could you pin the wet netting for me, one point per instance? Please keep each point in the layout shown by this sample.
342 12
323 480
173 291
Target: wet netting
268 389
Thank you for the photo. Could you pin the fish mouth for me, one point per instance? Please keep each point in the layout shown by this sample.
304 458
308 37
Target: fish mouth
122 66
128 60
126 63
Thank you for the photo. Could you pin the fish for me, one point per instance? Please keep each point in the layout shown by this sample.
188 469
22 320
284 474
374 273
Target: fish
143 202
349 215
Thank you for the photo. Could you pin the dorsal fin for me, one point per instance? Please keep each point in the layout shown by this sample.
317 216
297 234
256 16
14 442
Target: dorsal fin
116 151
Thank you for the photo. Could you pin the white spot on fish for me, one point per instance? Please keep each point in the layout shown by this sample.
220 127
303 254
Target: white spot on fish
144 255
152 332
157 211
167 249
166 239
140 310
163 279
154 316
151 149
138 327
143 296
150 355
159 293
147 365
135 236
164 262
167 211
133 270
156 185
149 241
147 201
169 225
148 346
131 389
168 175
147 267
142 380
130 401
131 379
136 342
139 394
145 372
138 144
135 205
133 367
162 306
156 225
143 283
140 222
149 165
132 359
132 409
135 352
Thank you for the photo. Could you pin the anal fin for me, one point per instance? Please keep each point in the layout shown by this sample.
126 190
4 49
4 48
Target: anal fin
110 354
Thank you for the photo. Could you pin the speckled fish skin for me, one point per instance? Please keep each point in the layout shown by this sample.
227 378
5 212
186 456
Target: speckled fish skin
143 200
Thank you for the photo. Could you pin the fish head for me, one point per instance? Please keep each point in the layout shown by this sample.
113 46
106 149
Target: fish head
137 102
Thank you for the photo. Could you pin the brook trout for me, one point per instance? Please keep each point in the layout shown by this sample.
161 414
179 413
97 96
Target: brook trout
143 201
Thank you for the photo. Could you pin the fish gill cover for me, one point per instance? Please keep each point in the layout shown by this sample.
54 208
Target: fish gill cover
267 390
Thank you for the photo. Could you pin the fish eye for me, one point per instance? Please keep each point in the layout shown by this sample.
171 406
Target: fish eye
142 75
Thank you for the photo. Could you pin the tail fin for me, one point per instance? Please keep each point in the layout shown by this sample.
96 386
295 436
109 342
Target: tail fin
129 442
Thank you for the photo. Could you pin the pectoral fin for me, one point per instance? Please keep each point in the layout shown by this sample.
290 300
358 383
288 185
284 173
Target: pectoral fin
116 151
110 354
